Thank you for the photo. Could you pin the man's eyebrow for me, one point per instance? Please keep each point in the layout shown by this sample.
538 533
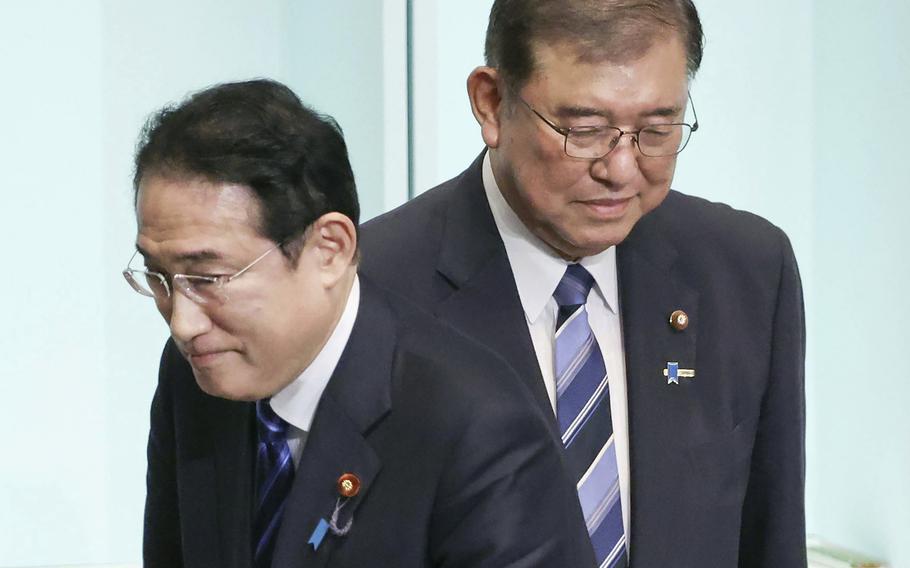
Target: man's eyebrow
579 112
583 111
666 112
194 256
199 256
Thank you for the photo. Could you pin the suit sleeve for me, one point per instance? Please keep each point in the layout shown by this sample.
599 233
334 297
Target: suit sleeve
773 524
505 500
161 545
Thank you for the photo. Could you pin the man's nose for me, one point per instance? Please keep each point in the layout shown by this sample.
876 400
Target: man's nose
619 166
186 318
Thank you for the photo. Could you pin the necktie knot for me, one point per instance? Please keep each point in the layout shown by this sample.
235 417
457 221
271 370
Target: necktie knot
272 428
574 287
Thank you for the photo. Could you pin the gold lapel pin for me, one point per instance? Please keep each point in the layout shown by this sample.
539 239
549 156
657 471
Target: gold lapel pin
679 320
348 485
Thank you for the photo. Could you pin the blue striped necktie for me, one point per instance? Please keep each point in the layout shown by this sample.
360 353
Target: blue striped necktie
274 475
583 412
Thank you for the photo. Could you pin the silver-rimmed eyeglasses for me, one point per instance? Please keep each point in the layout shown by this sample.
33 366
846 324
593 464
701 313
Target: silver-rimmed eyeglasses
200 289
594 142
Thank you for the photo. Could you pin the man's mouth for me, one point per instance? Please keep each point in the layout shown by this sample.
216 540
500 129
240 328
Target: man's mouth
205 358
608 207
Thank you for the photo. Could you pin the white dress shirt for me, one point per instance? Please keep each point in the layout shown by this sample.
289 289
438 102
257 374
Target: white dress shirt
296 403
537 270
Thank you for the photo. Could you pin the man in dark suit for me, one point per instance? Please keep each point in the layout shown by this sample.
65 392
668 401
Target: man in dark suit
303 418
563 249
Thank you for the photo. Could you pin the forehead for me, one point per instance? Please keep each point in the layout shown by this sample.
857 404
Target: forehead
655 76
179 216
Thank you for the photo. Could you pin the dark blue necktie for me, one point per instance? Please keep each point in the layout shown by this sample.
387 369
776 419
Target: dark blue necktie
274 474
583 413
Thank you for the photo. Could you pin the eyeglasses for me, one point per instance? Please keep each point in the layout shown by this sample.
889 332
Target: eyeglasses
594 142
200 289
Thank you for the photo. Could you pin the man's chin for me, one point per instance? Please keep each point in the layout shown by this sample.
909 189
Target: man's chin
217 385
592 242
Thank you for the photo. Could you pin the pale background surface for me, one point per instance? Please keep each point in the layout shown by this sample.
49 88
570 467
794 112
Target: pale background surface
803 111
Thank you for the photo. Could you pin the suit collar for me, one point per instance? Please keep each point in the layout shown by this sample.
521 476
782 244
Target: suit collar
469 239
296 403
484 303
536 266
365 366
357 397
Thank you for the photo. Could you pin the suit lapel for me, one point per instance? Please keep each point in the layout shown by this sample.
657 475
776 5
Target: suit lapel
357 396
485 304
335 447
660 414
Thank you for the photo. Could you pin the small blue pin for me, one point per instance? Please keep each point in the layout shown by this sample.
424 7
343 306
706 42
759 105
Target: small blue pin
672 372
319 534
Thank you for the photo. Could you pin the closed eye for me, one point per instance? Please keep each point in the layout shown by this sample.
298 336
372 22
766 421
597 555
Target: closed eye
206 278
657 131
589 130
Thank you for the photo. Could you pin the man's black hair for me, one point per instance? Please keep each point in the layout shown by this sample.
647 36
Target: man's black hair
257 134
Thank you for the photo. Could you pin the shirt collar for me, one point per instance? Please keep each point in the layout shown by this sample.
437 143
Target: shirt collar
296 403
536 267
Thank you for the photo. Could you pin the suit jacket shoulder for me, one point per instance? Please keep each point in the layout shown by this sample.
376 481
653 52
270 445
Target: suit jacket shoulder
431 245
701 227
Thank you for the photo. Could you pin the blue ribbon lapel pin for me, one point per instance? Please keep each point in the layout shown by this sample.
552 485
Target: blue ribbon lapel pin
674 373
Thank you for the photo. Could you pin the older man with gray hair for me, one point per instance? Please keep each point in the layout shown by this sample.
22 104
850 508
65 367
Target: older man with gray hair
664 334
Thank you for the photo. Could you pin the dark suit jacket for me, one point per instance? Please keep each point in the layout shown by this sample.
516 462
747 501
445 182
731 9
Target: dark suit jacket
717 462
458 468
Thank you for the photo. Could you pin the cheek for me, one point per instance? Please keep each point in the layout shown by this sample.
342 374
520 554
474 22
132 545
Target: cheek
539 197
234 318
562 184
657 179
658 172
526 146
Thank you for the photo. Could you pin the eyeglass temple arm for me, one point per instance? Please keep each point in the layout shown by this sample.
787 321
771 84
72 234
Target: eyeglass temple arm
694 114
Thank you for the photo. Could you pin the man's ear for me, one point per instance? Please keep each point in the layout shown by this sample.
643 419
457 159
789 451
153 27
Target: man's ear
485 93
332 239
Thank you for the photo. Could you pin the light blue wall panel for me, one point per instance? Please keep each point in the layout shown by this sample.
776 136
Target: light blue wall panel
51 233
861 242
80 349
448 44
336 65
